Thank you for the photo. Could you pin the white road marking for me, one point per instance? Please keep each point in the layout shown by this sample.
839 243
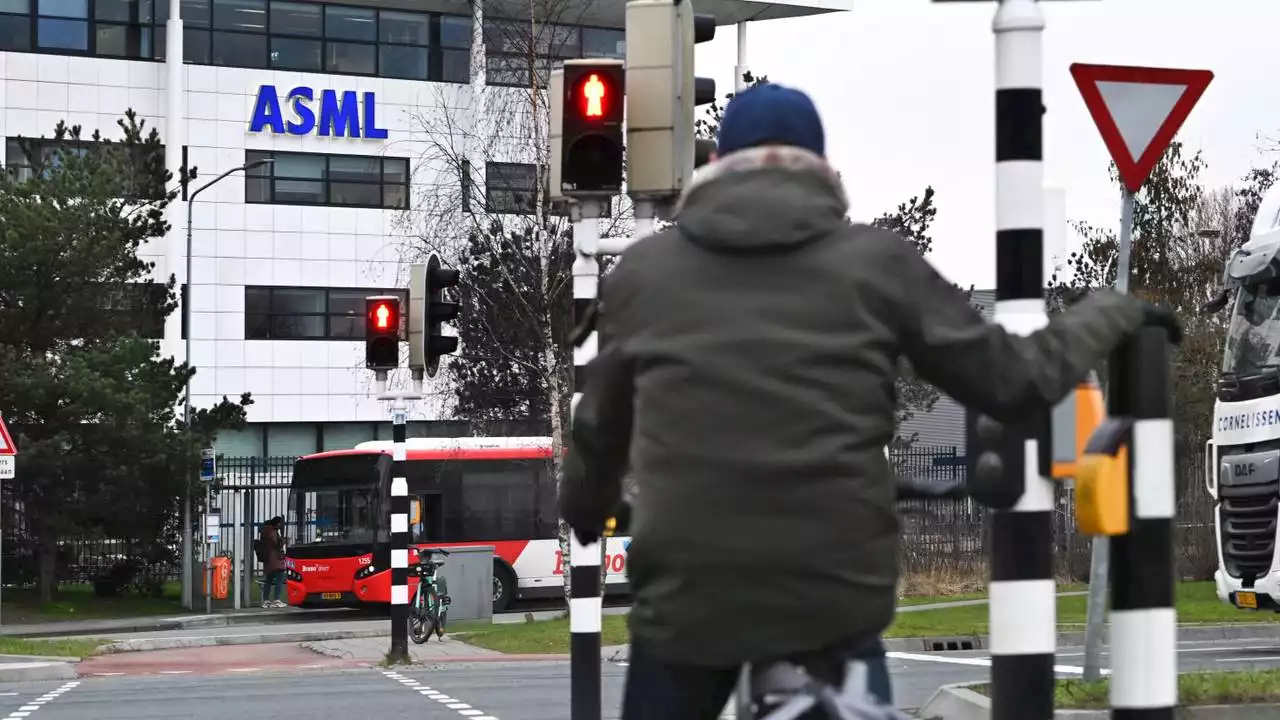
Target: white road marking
34 705
175 672
462 708
977 662
1271 658
241 669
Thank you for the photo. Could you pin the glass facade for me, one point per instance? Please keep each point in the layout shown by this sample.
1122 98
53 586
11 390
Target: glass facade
304 36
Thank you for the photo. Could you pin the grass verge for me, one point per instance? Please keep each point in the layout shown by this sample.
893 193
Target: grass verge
1197 604
77 602
60 647
1201 688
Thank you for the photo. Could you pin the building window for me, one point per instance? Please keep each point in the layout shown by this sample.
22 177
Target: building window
45 156
337 180
138 305
301 313
510 188
313 37
509 45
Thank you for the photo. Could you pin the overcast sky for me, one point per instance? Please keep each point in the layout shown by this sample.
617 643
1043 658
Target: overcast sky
905 88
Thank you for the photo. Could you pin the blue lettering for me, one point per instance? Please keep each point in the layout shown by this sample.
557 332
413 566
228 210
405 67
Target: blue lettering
371 129
305 114
341 113
266 111
339 118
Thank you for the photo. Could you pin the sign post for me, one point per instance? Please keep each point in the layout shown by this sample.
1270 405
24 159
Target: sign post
8 471
1138 111
208 469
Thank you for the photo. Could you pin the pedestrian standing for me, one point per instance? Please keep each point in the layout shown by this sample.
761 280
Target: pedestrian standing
271 554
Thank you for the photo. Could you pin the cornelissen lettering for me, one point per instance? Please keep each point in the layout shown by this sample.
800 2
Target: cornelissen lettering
1249 420
340 114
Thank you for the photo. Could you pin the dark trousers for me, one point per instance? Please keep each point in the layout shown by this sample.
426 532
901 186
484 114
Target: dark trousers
659 690
273 586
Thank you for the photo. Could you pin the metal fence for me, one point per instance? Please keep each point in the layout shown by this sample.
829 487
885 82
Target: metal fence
938 536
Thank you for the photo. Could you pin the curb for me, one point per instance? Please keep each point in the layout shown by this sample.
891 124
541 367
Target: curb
148 644
30 671
192 622
1205 633
1208 633
958 702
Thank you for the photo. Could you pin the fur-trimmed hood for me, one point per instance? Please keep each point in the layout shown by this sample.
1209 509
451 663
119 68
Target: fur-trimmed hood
764 199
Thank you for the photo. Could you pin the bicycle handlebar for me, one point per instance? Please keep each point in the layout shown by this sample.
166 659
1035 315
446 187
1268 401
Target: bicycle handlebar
429 551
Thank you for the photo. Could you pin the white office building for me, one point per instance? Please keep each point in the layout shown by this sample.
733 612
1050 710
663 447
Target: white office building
340 96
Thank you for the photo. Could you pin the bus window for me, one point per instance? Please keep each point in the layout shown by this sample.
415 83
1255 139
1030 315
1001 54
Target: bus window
426 520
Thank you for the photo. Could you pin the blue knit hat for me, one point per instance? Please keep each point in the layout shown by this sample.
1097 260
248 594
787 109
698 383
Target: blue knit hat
770 113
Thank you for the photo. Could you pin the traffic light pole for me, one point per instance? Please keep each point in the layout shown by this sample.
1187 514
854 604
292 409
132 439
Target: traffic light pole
585 605
399 525
1022 590
1144 641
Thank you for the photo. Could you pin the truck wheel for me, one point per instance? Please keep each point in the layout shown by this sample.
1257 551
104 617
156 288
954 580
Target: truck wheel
504 587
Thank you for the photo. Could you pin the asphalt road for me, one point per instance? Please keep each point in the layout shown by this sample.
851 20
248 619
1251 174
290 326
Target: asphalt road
455 690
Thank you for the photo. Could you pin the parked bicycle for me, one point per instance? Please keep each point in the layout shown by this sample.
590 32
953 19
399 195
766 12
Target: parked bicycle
430 607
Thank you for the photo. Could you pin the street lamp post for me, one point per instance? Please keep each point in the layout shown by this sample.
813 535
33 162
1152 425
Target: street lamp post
188 590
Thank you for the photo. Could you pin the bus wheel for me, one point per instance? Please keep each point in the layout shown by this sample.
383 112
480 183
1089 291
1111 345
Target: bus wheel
504 587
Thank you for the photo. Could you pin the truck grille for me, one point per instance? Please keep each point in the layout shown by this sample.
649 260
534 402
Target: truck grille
1247 515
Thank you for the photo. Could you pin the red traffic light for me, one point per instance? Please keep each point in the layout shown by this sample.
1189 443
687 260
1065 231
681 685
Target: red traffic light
383 315
594 97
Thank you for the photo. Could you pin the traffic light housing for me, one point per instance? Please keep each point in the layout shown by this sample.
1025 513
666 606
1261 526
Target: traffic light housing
995 471
591 116
663 95
382 332
438 311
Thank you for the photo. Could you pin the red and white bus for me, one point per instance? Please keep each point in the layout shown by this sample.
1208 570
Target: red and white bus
462 491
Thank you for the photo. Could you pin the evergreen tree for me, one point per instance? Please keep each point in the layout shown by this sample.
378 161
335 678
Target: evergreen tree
89 399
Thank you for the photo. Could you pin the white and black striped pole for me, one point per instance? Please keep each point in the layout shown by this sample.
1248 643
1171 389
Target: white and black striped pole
1144 642
1022 605
585 607
399 537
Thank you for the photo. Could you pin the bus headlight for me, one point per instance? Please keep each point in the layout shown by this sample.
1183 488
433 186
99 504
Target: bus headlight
293 575
366 571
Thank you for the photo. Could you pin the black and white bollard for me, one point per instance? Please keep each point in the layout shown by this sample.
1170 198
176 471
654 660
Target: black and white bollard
1023 594
1144 643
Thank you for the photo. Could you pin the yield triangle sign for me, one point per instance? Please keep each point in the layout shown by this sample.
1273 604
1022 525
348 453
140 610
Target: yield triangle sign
6 440
1138 110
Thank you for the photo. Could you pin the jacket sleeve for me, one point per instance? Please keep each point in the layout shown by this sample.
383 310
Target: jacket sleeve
1001 374
600 441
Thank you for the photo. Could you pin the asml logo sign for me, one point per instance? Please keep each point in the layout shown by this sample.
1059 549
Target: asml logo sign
333 114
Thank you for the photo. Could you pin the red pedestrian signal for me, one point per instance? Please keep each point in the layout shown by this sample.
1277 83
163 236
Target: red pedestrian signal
382 316
594 96
382 332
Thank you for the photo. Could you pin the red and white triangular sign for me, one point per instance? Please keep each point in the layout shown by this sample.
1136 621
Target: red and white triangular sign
6 440
1138 110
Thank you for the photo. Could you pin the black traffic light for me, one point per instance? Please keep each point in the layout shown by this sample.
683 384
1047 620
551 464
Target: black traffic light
704 89
995 470
594 97
382 332
439 311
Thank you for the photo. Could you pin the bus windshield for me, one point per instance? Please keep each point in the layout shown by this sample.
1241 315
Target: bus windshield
337 500
1253 338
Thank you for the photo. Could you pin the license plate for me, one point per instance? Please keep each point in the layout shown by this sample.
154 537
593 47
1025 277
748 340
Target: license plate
330 596
1247 600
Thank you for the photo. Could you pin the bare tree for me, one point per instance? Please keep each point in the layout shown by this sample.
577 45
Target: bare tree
482 205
